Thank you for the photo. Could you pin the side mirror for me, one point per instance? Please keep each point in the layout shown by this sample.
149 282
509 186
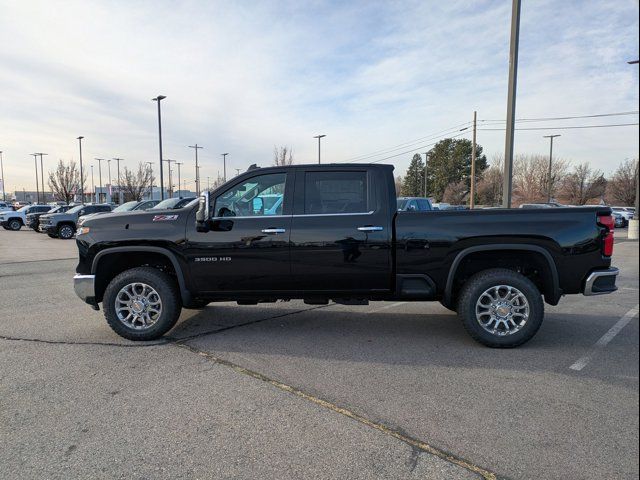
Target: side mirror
203 214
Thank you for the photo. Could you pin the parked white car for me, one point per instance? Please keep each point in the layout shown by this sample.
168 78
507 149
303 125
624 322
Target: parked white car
10 220
4 207
626 214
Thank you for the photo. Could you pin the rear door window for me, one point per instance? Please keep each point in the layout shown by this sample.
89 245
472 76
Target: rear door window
335 192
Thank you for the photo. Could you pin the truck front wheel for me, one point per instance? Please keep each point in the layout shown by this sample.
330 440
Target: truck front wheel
141 304
500 308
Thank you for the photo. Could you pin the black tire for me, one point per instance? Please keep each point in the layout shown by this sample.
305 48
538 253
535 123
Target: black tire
167 292
482 282
66 231
14 224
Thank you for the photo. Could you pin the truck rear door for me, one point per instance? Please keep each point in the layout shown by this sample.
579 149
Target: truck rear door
341 231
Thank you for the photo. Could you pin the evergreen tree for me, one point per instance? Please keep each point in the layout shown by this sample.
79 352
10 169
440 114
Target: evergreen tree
413 183
449 162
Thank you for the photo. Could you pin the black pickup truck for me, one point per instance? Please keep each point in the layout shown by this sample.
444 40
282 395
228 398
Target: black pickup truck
333 233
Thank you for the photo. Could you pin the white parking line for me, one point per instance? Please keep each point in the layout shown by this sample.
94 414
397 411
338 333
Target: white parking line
605 339
397 304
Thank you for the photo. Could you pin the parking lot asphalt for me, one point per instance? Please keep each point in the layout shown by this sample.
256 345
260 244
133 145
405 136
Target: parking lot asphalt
288 390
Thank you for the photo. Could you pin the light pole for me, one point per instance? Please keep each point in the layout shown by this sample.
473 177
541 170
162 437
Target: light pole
35 161
196 147
99 160
224 166
81 175
319 137
110 184
550 137
118 160
4 183
44 198
511 105
179 185
158 99
93 186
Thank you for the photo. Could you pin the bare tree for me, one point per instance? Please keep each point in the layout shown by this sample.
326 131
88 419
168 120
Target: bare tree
489 188
583 185
136 183
531 177
621 188
282 156
64 181
456 193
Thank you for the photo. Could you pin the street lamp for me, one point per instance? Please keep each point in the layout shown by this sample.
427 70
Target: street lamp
81 176
93 186
170 190
178 164
4 183
118 160
99 160
35 161
550 137
158 99
197 147
44 198
319 137
224 166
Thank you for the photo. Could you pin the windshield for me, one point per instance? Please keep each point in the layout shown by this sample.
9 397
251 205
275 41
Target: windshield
126 207
24 209
76 209
173 203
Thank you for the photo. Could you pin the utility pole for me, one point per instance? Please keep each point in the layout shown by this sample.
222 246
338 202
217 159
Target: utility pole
4 182
511 105
150 179
550 137
224 166
319 137
158 99
425 174
110 184
99 160
472 202
179 185
197 147
118 160
35 161
81 175
170 191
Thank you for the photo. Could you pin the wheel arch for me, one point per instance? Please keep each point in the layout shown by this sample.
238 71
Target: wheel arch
552 293
157 252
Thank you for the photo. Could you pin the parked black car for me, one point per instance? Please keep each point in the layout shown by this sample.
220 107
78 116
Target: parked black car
340 237
63 225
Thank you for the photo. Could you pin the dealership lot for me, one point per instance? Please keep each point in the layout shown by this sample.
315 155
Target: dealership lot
288 390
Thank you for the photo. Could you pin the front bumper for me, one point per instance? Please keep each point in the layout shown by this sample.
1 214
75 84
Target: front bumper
47 228
601 282
84 286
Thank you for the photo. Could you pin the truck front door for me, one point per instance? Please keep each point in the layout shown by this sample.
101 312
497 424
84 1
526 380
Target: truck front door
247 249
341 231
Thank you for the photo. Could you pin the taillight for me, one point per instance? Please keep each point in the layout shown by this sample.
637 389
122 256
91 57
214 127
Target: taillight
607 240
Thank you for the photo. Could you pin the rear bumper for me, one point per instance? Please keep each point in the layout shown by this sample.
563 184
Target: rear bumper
84 286
600 282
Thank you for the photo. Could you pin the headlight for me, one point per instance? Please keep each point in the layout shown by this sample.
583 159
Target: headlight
82 231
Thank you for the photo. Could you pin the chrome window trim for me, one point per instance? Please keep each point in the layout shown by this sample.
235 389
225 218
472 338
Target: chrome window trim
298 215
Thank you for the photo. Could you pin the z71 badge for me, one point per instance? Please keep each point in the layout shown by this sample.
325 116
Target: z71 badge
164 218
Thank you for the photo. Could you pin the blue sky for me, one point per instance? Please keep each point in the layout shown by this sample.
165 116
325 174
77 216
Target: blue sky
241 77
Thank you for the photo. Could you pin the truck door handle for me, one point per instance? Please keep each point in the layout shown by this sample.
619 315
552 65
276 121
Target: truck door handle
370 228
273 231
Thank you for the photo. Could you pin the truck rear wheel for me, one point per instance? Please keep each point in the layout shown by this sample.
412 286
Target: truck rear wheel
141 304
500 308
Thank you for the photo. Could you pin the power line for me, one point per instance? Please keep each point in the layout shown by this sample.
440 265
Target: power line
566 128
407 144
418 148
598 115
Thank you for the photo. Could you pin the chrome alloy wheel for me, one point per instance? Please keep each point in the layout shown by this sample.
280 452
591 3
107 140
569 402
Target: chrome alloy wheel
138 306
502 310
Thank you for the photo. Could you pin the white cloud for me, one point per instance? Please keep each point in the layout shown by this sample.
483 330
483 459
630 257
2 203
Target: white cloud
242 77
